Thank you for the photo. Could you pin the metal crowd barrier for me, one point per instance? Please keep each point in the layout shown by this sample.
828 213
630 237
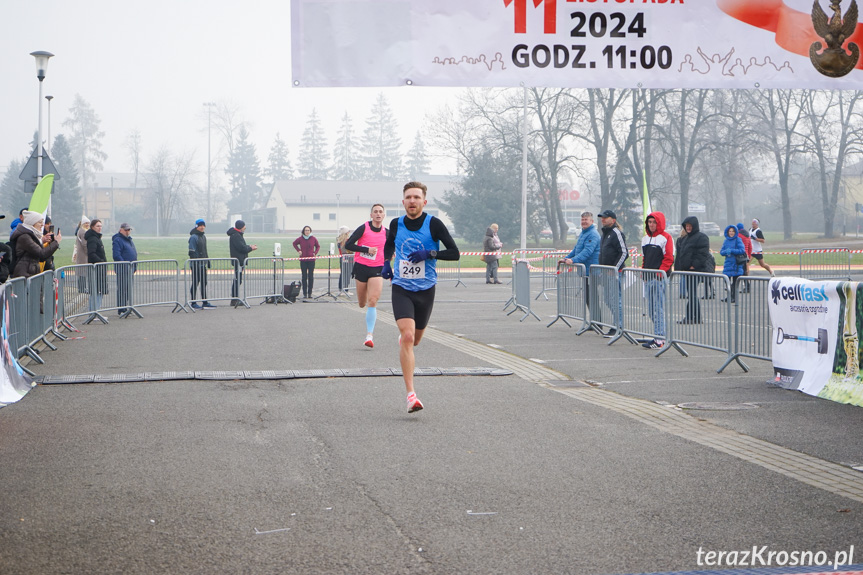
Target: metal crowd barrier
39 309
516 256
153 283
521 284
549 272
449 271
262 278
606 304
16 295
644 293
209 280
701 313
752 327
346 268
572 295
825 264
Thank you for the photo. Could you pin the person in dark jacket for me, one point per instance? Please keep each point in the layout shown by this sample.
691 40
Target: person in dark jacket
240 250
123 250
96 255
308 247
613 252
5 261
732 247
29 251
198 250
693 255
491 245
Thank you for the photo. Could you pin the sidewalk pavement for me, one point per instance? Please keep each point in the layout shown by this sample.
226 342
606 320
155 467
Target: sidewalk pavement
579 462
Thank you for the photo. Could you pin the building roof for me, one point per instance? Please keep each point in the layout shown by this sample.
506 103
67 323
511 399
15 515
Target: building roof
331 192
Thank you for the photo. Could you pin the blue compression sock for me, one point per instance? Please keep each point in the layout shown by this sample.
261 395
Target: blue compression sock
371 318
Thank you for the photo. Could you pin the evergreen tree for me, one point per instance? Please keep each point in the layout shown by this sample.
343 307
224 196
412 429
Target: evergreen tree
278 163
85 140
489 193
418 164
346 161
381 156
244 170
66 205
12 193
313 151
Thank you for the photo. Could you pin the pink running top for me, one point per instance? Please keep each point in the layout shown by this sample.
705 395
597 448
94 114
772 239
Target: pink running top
371 239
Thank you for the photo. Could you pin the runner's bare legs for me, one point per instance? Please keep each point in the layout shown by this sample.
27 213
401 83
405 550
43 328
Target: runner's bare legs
410 337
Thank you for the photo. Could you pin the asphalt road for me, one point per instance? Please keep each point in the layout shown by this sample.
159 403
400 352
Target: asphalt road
536 472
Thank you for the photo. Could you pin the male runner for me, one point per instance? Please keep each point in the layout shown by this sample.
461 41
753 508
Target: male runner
367 242
414 240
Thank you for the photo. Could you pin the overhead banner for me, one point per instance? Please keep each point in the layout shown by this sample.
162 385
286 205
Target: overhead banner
816 347
577 43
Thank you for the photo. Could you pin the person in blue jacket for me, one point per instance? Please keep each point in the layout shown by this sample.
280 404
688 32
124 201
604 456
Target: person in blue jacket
123 250
586 250
732 247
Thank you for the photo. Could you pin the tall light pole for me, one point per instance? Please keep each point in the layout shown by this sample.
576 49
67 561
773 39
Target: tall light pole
338 212
209 106
41 66
48 139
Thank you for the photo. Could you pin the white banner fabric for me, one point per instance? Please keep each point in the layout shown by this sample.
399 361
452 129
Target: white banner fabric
815 344
576 43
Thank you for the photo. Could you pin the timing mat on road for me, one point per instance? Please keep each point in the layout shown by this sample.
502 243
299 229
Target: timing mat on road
260 375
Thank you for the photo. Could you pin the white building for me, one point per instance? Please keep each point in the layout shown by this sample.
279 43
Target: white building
325 205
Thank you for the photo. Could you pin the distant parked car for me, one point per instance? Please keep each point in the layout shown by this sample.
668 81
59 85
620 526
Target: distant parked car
673 229
711 229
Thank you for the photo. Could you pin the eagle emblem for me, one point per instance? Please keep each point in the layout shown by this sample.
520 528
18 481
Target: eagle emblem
834 61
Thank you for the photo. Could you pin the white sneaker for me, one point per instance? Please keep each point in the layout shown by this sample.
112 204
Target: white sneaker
369 342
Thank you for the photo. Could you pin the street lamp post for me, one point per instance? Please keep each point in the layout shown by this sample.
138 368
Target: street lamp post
338 212
209 106
42 58
48 139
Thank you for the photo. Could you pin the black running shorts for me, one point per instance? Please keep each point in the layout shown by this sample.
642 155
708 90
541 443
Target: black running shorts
416 305
759 256
362 273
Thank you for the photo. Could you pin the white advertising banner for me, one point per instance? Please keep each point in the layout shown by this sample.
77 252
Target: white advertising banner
815 343
577 43
14 383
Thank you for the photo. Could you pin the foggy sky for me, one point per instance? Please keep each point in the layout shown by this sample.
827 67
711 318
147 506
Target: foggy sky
151 66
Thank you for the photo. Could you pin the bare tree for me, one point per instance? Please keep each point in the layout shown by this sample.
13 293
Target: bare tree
780 114
834 137
134 146
85 140
169 178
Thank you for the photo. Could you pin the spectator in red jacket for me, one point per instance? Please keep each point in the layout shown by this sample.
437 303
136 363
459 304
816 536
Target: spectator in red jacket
657 247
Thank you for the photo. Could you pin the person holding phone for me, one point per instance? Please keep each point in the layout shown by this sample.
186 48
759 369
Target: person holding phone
29 239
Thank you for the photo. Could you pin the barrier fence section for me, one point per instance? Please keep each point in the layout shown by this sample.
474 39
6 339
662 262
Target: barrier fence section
521 283
644 293
40 311
74 286
16 296
209 280
449 271
260 278
153 283
346 267
700 313
571 295
606 304
549 272
825 264
752 327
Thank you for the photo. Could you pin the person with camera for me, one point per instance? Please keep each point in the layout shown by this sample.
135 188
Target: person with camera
33 247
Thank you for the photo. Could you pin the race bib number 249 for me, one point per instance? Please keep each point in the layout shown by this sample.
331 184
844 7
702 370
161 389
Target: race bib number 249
408 270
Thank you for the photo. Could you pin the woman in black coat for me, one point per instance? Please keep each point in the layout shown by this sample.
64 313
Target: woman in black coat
95 255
